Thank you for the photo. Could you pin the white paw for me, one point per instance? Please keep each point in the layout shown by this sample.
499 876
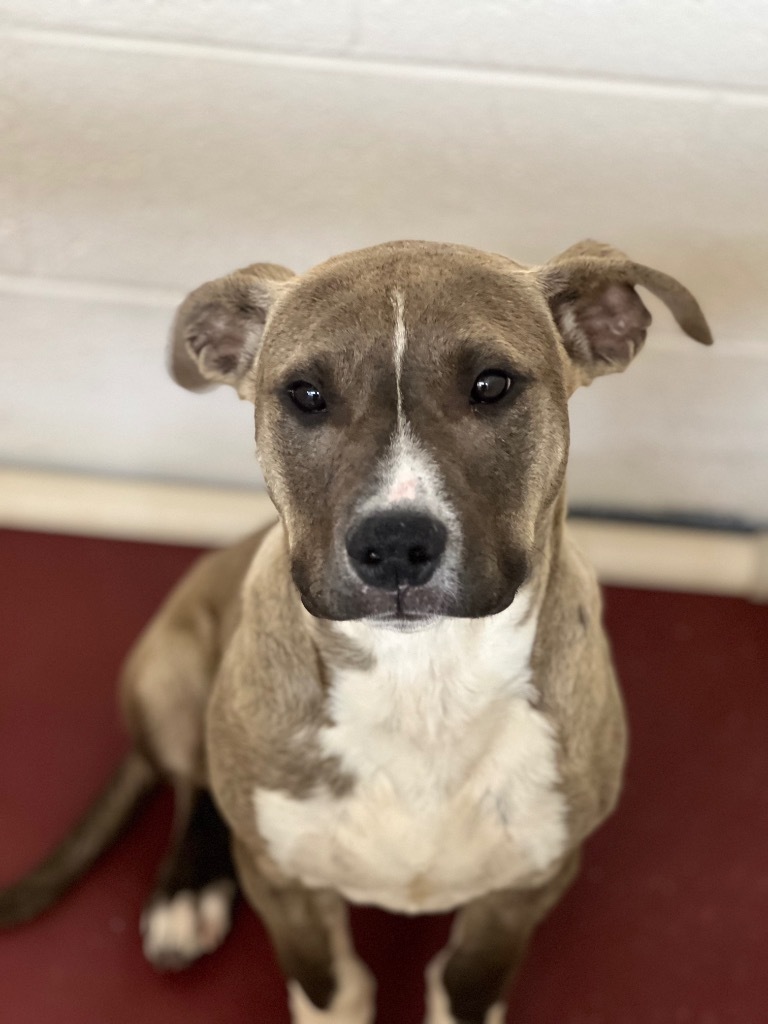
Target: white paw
438 1007
353 1001
438 1004
178 930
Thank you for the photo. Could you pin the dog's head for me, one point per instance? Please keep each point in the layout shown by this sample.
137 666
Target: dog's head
411 408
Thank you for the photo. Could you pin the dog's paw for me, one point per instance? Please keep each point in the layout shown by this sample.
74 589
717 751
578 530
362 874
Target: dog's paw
353 1001
178 929
438 1005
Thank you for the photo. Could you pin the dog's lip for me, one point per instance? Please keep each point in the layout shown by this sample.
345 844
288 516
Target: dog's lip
402 621
402 615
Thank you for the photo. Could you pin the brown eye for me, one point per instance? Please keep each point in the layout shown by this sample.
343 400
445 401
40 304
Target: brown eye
490 386
306 396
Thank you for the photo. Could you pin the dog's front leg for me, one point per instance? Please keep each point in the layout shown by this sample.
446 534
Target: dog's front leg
468 980
327 982
190 910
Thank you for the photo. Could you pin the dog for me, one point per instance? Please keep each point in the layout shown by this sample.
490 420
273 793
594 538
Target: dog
400 694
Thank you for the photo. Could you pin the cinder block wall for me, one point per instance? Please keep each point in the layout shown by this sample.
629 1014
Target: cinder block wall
147 145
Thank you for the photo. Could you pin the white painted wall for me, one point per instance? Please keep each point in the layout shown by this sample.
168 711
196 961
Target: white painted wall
146 145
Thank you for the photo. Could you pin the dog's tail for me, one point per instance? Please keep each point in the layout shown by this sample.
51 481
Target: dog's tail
95 832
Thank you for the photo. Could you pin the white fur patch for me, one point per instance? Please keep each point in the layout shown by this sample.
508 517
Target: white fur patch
456 775
400 340
408 474
437 1003
177 931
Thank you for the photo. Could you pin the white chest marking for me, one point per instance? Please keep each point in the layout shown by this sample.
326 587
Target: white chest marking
456 776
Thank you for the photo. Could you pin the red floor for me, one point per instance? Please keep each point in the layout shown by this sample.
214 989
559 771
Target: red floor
668 923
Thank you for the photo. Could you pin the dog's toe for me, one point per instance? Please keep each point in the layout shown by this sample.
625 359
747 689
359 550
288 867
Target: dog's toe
178 929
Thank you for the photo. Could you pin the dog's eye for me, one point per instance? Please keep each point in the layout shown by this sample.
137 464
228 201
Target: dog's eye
306 396
490 386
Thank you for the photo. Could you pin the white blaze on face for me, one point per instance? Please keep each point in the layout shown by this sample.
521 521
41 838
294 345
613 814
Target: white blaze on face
399 340
407 475
407 472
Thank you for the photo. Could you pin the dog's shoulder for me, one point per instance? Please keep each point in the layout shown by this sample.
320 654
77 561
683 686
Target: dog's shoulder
579 691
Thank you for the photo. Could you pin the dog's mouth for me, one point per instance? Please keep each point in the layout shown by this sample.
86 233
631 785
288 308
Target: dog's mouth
448 594
405 610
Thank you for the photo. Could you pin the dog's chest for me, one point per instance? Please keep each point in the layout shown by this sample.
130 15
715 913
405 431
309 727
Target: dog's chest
455 776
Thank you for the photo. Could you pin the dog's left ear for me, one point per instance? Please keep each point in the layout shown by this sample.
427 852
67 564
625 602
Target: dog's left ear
603 323
218 327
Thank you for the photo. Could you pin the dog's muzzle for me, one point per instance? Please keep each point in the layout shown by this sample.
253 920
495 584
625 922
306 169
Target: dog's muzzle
391 550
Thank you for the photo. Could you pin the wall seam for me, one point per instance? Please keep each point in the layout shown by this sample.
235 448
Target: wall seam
387 67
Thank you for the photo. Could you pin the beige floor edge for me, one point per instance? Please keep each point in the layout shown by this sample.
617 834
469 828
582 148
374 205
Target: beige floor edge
668 558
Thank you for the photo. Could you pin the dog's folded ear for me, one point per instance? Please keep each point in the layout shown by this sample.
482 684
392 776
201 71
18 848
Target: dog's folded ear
603 323
218 327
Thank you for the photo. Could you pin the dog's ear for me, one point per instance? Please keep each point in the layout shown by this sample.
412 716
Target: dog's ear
218 327
603 323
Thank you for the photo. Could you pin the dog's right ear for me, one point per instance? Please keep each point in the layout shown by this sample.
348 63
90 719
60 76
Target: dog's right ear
218 327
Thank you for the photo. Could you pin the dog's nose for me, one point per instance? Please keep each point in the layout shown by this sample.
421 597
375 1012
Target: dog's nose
391 550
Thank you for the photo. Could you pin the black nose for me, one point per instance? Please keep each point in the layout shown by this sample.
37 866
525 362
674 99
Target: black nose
391 550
